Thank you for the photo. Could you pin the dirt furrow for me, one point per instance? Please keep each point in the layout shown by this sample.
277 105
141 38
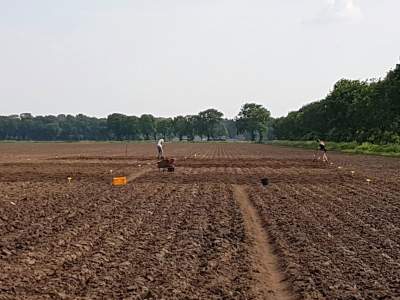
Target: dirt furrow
270 281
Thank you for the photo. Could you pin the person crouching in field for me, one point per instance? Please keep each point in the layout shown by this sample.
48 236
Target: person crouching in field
322 148
160 149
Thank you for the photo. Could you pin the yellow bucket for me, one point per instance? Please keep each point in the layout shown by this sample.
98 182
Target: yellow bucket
119 181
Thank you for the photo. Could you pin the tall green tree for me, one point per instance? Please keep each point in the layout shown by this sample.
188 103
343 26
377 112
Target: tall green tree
148 126
192 123
230 126
133 127
353 111
164 127
179 125
253 118
208 121
117 124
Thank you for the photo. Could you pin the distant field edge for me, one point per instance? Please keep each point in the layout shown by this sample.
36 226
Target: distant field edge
76 142
347 147
122 142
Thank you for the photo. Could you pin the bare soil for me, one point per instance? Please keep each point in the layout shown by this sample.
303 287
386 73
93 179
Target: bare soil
269 281
209 230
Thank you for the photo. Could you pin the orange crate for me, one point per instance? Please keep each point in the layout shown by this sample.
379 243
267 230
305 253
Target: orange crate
119 181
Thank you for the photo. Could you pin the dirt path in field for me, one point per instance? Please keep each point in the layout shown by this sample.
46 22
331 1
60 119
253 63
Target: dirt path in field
270 282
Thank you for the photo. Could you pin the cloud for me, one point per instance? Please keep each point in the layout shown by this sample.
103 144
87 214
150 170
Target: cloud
335 11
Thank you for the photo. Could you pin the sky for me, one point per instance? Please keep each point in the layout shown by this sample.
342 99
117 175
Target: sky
179 57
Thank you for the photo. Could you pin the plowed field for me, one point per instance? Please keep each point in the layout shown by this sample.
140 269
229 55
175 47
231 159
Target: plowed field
209 230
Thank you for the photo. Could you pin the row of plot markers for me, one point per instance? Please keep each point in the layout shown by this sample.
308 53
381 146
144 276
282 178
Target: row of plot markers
352 172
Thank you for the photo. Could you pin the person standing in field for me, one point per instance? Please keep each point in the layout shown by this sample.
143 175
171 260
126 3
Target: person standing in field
322 147
160 149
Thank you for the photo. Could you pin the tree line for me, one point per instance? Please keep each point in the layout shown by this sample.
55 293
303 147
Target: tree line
251 123
361 111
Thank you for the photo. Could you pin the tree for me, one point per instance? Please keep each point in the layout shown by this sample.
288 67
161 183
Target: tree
253 118
208 122
191 126
231 129
220 131
164 127
148 126
133 127
26 124
353 111
116 123
9 127
362 111
179 126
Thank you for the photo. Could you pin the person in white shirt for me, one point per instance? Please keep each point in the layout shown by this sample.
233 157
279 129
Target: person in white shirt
160 149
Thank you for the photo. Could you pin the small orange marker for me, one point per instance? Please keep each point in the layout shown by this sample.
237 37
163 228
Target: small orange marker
118 181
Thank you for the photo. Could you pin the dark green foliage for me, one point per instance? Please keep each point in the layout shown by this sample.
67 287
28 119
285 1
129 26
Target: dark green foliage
185 126
208 121
253 119
164 127
117 123
179 127
116 127
52 128
147 125
361 111
231 129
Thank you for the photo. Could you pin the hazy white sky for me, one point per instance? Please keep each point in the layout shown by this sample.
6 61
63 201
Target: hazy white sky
181 56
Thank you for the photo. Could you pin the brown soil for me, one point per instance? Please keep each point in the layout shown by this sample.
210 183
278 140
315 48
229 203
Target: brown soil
270 282
209 230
